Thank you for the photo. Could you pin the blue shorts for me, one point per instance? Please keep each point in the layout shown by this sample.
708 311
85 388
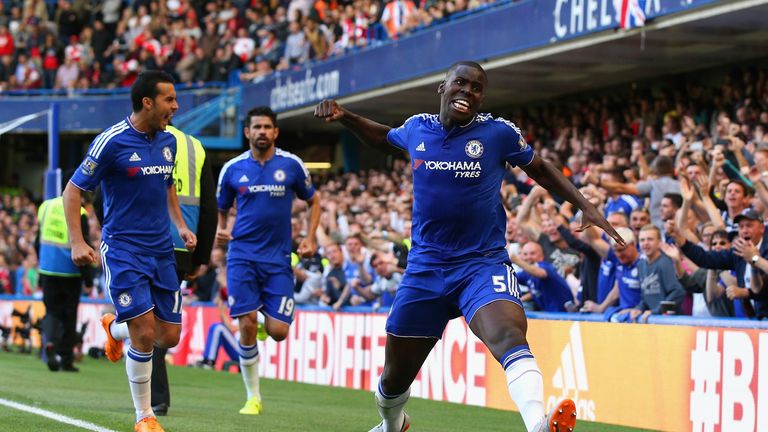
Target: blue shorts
139 283
257 286
428 297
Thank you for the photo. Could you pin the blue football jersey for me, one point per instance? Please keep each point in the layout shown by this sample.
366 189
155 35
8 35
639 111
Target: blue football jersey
264 195
135 174
551 293
628 279
623 204
606 277
457 174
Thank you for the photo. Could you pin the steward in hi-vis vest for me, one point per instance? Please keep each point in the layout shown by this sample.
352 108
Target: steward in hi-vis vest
196 189
62 283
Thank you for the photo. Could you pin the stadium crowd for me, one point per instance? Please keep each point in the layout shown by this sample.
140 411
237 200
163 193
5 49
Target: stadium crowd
82 45
680 173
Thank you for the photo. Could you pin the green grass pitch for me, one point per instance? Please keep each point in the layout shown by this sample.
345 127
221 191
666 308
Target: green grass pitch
205 400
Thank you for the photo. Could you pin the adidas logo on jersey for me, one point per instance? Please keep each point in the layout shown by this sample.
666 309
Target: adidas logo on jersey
134 157
421 147
243 179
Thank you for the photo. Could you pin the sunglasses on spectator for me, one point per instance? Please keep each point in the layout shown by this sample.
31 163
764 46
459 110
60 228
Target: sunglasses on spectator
720 243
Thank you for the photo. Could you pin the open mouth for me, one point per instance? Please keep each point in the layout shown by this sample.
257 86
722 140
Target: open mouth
461 105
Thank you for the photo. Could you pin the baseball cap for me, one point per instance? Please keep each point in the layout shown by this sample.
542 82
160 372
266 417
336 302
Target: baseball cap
748 213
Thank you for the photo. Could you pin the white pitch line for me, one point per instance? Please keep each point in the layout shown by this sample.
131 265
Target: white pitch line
52 415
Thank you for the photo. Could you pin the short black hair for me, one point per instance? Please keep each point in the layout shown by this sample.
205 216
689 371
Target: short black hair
748 191
471 64
618 174
261 111
720 234
146 86
676 198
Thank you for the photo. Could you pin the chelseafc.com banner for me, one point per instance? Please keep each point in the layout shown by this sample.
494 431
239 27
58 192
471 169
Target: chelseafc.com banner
661 377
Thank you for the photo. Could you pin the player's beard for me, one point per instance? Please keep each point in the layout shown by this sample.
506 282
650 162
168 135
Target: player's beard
262 147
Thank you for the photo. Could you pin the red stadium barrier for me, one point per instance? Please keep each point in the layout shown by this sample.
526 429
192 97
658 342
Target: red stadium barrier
672 378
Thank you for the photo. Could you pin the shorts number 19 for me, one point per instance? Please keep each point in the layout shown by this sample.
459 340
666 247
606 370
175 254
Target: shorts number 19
286 306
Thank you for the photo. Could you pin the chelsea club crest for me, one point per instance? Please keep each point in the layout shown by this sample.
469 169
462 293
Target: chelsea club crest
124 299
474 149
167 154
279 175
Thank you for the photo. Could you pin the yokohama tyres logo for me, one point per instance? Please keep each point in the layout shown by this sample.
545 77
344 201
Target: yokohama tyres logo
447 165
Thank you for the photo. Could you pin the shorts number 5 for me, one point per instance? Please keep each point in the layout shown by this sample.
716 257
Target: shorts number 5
507 282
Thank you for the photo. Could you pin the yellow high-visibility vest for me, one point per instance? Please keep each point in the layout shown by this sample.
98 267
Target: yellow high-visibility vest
55 251
187 172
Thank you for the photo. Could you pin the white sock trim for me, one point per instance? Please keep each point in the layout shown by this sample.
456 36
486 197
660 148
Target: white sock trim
392 402
391 410
526 387
249 369
140 382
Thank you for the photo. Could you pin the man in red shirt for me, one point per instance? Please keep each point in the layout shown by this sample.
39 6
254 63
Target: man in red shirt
6 42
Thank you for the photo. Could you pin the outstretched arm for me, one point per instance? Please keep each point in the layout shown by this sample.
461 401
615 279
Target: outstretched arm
532 230
596 242
689 195
702 187
612 186
531 269
553 180
370 132
574 242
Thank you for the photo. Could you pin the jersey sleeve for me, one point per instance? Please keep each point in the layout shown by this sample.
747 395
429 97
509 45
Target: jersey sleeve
517 152
549 268
225 195
303 185
399 137
523 277
95 165
644 188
